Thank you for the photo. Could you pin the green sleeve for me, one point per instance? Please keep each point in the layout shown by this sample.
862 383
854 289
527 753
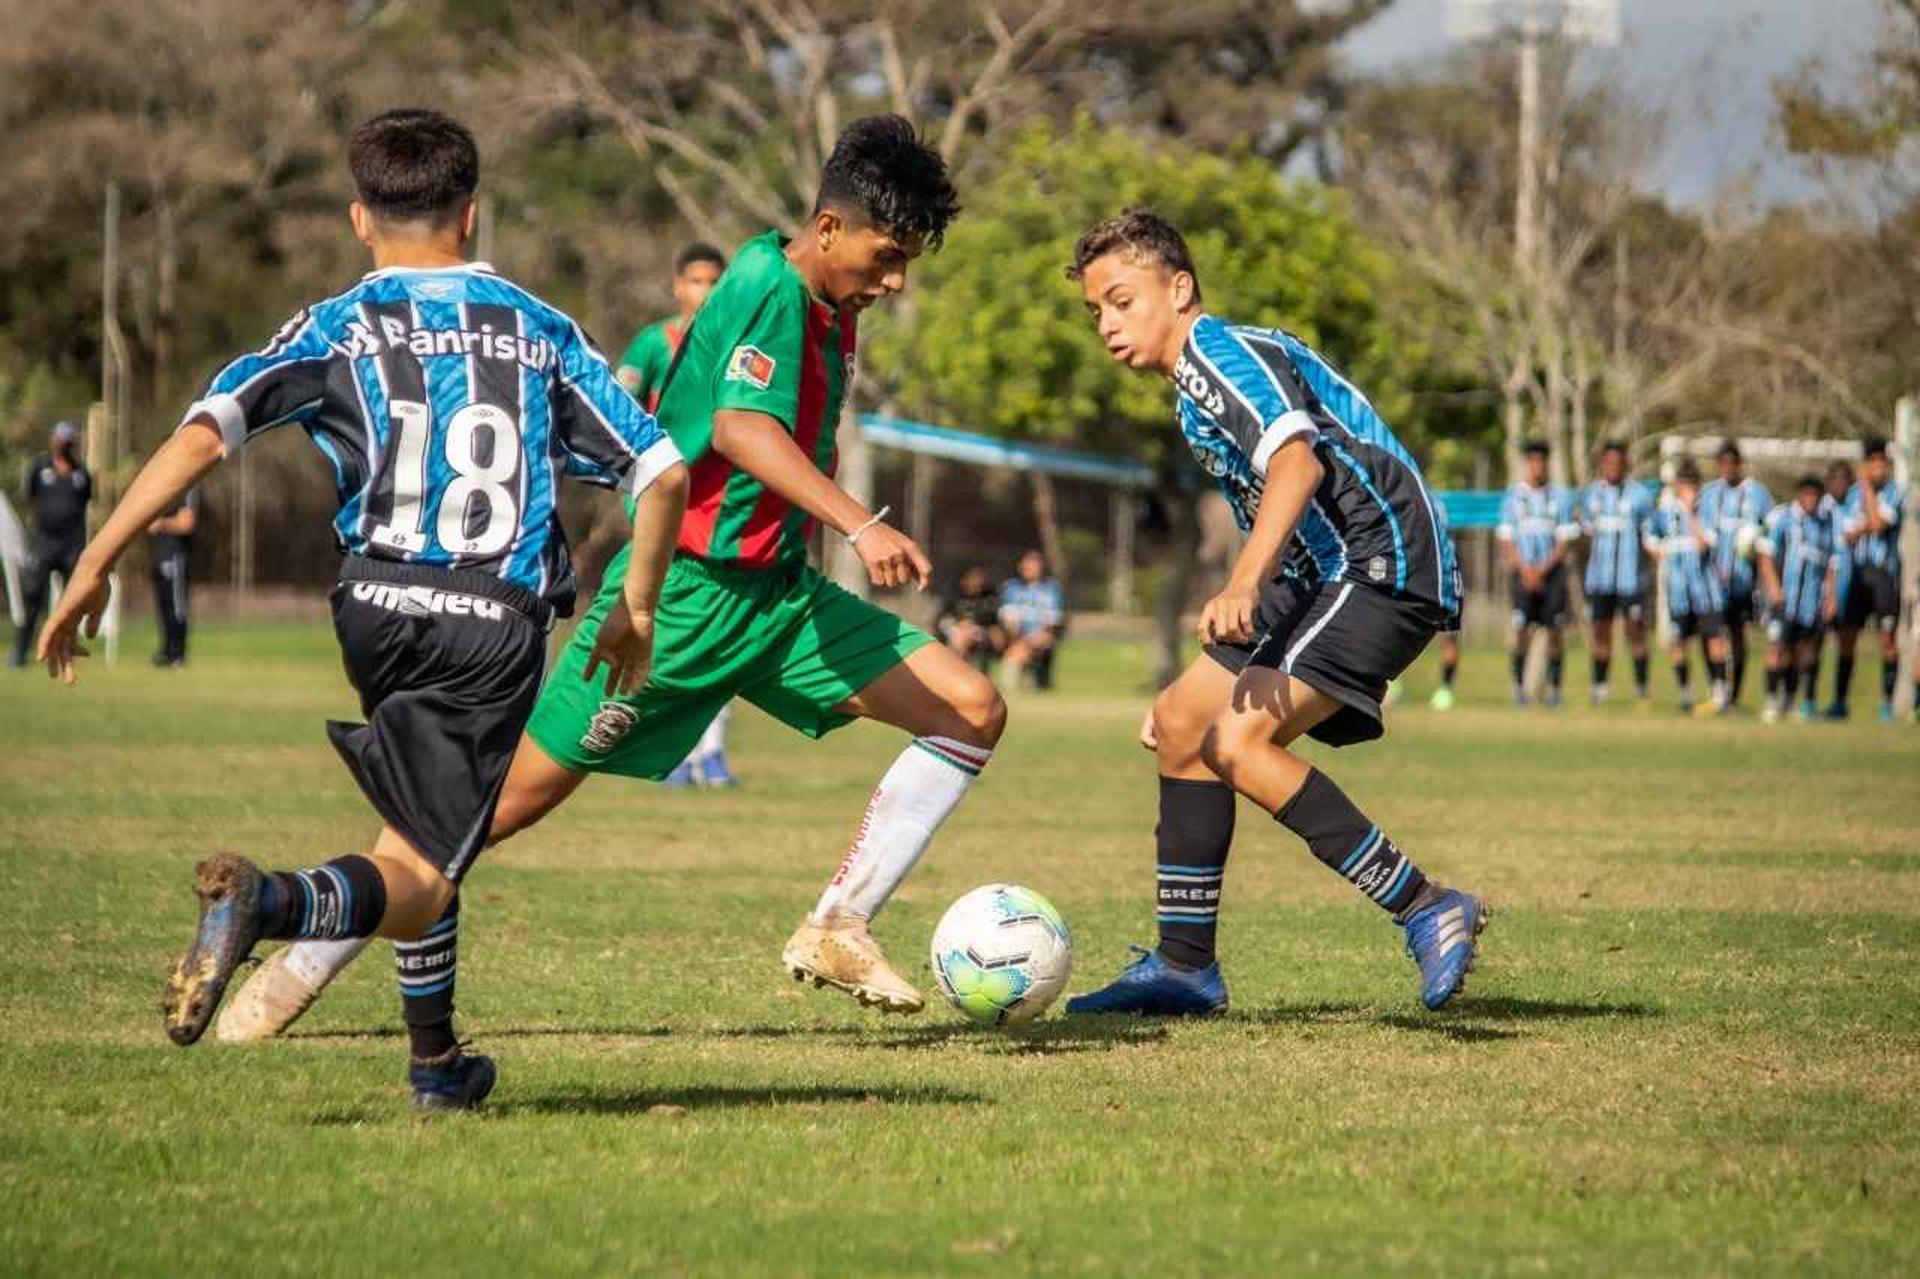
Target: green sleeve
645 363
760 371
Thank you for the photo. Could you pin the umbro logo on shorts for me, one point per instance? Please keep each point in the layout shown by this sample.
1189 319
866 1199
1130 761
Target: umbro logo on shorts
423 601
609 726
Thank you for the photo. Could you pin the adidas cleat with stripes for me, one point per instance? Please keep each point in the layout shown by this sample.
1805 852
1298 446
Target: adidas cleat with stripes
457 1080
1153 987
228 886
1443 939
841 953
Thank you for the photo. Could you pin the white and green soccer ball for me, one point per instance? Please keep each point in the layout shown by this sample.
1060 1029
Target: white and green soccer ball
1746 542
1002 954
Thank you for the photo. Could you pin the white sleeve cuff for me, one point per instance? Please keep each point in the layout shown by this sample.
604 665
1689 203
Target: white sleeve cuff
660 456
1283 428
226 411
1567 532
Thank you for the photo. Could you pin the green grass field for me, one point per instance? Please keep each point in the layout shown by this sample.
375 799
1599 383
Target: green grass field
1690 1046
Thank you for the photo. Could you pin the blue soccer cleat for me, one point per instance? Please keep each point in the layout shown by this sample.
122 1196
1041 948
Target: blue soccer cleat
229 890
1886 712
454 1080
1152 986
712 770
681 777
1835 710
1809 710
1443 939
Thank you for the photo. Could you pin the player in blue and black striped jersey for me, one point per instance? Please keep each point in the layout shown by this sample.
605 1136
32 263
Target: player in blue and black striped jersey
448 402
1797 557
1346 574
1733 506
1614 515
1696 599
1536 526
1870 526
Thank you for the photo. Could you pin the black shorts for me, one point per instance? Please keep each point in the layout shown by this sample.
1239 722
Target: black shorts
1782 631
1604 608
1544 607
1344 639
1874 593
1707 626
1739 613
448 666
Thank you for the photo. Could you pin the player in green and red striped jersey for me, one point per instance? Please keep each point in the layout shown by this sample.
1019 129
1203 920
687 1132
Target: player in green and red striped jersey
643 372
751 405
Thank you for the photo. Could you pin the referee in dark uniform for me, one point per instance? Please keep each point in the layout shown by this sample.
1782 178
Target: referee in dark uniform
169 547
57 490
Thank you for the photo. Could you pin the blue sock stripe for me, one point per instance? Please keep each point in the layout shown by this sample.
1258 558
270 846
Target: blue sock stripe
344 892
441 942
1207 872
414 992
1360 850
1187 919
1399 881
310 898
1381 889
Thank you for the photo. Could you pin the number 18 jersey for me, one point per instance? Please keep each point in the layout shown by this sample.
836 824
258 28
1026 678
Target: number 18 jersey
449 402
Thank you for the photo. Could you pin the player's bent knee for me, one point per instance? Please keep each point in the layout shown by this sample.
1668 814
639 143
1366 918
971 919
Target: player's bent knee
980 707
414 904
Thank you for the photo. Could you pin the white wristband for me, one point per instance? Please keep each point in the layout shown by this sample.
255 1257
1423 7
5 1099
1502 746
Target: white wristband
853 538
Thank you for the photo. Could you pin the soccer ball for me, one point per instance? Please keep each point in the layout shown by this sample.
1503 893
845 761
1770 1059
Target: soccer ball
1746 542
1002 954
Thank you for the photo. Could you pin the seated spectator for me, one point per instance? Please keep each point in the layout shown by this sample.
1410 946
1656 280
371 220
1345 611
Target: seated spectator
1031 611
969 620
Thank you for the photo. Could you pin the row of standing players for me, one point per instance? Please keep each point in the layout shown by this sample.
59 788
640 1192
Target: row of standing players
1826 560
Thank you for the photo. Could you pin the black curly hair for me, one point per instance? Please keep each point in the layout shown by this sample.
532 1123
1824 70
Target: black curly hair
881 170
414 165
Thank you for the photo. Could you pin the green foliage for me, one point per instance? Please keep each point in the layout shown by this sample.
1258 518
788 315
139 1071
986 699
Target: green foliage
996 338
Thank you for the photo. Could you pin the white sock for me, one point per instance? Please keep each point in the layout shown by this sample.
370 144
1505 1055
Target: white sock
714 740
319 962
913 798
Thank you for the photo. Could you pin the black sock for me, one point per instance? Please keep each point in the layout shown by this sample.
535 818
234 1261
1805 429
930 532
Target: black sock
1775 678
1641 672
1739 671
1683 676
1716 671
1789 683
1192 841
1602 666
344 898
1341 836
426 971
1519 669
1810 678
1555 666
1447 671
1889 677
1842 679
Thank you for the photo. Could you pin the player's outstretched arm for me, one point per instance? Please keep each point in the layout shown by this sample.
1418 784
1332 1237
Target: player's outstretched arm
624 643
182 462
759 445
1293 474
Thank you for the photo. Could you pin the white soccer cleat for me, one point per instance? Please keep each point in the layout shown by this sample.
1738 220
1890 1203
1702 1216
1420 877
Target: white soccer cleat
841 953
272 1000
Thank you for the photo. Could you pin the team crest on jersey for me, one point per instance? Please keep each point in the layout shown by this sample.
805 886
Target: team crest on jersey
751 365
609 727
1377 569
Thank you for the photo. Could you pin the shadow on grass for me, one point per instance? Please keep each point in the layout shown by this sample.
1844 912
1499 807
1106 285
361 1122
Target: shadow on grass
1049 1038
632 1101
1490 1008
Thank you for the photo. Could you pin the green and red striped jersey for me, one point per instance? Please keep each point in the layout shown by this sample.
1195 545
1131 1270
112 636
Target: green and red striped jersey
761 343
643 369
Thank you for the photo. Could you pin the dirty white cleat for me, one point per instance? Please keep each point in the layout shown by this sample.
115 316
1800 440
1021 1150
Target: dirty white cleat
272 1000
841 953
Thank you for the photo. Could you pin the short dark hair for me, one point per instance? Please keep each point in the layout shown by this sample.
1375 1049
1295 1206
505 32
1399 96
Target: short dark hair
1535 448
1136 234
882 170
698 251
1811 481
1729 448
413 165
1688 470
1875 446
1839 466
1612 446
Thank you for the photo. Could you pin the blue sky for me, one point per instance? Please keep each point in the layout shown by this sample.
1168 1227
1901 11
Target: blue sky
1712 61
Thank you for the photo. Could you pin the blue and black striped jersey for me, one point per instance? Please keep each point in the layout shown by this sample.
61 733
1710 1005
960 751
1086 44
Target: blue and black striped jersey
1843 561
1804 549
1874 550
1536 520
1726 510
1245 391
1693 587
1616 519
449 402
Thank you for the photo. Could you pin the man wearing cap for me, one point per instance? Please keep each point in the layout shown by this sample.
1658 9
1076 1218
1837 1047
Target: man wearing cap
58 489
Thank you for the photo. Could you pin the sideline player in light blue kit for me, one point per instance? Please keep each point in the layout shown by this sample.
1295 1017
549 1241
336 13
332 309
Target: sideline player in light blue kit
449 403
1615 515
1696 601
1870 525
1346 575
1733 507
1536 525
1797 559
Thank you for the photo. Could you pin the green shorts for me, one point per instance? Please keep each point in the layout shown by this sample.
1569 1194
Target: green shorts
786 639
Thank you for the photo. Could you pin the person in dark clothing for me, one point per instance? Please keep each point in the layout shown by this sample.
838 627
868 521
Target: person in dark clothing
58 489
170 547
969 620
